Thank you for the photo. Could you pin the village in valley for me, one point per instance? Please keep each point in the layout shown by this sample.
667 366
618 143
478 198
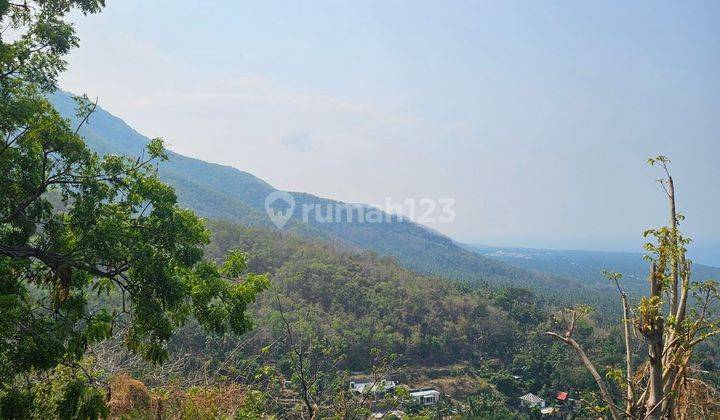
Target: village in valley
444 398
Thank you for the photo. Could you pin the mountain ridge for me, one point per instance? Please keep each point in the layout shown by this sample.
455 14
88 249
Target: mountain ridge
223 192
586 265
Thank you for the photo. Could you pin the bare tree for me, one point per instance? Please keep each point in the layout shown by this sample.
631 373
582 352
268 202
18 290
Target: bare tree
655 388
352 405
311 363
319 386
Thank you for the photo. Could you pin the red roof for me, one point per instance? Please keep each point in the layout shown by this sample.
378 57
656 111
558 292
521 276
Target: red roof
562 396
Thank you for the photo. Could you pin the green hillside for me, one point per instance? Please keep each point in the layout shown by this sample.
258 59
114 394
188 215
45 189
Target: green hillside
222 192
470 343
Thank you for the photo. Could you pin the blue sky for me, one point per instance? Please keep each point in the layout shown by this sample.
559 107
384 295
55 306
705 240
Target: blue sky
537 117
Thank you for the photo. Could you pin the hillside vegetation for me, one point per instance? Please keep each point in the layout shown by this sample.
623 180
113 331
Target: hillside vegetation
221 192
358 308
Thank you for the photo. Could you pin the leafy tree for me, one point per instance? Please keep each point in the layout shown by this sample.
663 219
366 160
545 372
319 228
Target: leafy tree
74 223
489 405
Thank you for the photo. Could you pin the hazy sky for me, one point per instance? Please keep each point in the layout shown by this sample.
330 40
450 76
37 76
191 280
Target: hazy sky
537 117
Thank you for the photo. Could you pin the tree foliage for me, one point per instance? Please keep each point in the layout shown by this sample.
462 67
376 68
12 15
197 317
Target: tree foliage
76 224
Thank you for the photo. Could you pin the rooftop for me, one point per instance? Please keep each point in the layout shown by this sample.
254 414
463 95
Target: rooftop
383 385
424 392
530 397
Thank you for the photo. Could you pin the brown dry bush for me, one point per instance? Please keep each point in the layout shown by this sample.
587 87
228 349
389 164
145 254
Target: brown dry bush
128 396
131 399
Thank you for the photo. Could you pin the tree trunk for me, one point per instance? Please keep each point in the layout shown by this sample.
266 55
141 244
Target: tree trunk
654 335
655 385
630 395
675 262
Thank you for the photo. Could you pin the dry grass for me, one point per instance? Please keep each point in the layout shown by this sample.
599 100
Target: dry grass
456 380
131 399
128 395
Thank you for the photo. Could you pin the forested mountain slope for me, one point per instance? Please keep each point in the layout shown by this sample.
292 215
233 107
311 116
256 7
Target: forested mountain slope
365 301
348 303
222 192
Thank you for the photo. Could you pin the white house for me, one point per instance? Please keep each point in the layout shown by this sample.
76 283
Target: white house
549 411
371 387
426 396
531 400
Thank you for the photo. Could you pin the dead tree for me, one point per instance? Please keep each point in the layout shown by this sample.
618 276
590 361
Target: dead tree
311 363
654 388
